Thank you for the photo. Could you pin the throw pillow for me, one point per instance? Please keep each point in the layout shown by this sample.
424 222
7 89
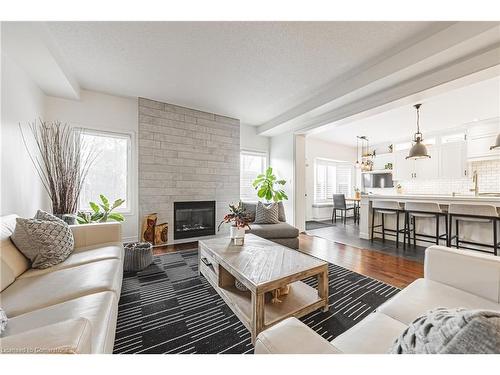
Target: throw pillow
451 331
3 321
250 209
45 240
281 212
266 214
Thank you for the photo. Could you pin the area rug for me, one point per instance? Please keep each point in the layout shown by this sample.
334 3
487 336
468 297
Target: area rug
168 308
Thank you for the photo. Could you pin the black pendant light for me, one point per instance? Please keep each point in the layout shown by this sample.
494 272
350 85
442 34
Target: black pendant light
418 150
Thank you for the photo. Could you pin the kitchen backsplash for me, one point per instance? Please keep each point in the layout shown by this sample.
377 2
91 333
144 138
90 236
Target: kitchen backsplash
489 181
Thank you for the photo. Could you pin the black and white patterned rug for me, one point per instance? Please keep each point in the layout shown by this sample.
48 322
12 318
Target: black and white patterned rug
168 308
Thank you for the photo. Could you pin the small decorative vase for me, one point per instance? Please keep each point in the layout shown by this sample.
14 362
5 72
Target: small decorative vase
236 232
357 195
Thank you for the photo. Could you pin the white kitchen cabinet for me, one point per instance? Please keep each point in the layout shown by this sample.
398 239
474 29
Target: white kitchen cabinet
480 138
409 169
403 169
381 160
453 160
427 168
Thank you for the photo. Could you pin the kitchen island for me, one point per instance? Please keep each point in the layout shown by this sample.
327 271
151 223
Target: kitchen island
470 231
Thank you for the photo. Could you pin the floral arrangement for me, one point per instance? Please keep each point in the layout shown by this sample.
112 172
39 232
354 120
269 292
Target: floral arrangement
237 216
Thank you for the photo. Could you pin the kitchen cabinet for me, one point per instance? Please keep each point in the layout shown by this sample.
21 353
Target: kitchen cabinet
480 138
453 160
409 169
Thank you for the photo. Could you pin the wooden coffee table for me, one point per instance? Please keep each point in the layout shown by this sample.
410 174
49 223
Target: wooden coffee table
263 266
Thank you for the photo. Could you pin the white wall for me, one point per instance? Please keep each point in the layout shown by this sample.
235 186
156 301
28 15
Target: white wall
104 112
249 140
282 159
316 148
22 101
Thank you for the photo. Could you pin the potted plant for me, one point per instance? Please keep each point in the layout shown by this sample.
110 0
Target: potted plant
98 216
239 219
269 187
62 162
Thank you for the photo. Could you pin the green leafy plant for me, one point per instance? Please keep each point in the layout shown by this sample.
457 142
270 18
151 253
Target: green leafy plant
269 187
98 216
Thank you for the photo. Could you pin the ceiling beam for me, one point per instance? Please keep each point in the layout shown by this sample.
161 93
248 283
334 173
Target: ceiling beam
452 53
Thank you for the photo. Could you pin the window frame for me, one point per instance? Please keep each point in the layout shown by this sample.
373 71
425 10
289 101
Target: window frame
254 152
130 210
337 163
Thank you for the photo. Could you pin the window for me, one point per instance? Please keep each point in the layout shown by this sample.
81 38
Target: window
332 177
251 165
111 171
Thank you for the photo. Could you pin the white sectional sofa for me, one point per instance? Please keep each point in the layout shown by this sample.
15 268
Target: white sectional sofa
452 278
69 308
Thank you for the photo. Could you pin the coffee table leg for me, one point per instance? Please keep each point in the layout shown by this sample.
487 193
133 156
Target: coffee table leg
323 287
257 315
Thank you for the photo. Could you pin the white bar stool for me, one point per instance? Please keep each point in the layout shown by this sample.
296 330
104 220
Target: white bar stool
424 210
478 213
386 208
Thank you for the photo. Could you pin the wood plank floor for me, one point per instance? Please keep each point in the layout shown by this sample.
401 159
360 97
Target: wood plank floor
390 269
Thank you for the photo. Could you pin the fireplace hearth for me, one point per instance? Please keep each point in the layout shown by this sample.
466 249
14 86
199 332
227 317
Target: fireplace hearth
194 219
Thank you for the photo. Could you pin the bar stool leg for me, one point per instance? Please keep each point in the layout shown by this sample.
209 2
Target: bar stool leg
450 229
495 239
397 230
447 235
437 229
414 231
373 223
456 233
383 228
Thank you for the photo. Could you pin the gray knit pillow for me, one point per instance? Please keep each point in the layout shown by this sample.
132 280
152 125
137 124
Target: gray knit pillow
266 214
45 240
451 331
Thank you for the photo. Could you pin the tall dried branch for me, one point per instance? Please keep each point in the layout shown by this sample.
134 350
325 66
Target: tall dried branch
62 161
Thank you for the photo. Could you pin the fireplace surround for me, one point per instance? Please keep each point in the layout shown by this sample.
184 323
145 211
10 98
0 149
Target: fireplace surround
194 219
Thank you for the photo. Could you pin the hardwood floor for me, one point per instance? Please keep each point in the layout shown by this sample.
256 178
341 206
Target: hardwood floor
393 270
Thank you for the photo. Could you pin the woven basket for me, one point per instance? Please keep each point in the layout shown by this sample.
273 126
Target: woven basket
138 255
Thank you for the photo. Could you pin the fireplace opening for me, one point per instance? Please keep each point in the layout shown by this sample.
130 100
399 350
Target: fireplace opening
194 219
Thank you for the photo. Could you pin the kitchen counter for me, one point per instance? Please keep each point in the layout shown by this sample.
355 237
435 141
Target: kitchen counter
472 231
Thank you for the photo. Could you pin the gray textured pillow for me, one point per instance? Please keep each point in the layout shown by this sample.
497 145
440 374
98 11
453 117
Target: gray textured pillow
266 214
3 321
451 331
251 207
45 240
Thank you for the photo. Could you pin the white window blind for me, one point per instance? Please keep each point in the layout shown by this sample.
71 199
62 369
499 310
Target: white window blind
111 171
251 165
332 177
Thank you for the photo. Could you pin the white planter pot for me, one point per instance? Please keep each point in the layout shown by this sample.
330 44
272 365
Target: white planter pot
236 232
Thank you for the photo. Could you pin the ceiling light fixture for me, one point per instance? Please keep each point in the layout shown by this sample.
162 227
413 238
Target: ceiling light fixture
418 150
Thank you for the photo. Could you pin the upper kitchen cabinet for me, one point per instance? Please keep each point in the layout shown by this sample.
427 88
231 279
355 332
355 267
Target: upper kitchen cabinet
480 138
408 169
453 159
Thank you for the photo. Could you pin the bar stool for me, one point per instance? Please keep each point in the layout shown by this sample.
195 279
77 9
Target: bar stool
473 213
424 210
386 208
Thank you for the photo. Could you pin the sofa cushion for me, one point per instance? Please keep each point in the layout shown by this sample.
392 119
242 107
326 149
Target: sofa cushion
45 242
99 309
266 214
79 257
423 295
268 231
66 337
250 208
31 293
451 331
374 334
12 262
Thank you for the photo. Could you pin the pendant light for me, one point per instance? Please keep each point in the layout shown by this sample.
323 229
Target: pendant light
418 150
357 165
497 143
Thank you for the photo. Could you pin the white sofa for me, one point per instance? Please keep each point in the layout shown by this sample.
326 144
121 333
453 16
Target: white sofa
452 278
69 308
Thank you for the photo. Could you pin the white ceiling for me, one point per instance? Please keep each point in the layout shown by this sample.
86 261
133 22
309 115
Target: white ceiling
253 71
479 101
